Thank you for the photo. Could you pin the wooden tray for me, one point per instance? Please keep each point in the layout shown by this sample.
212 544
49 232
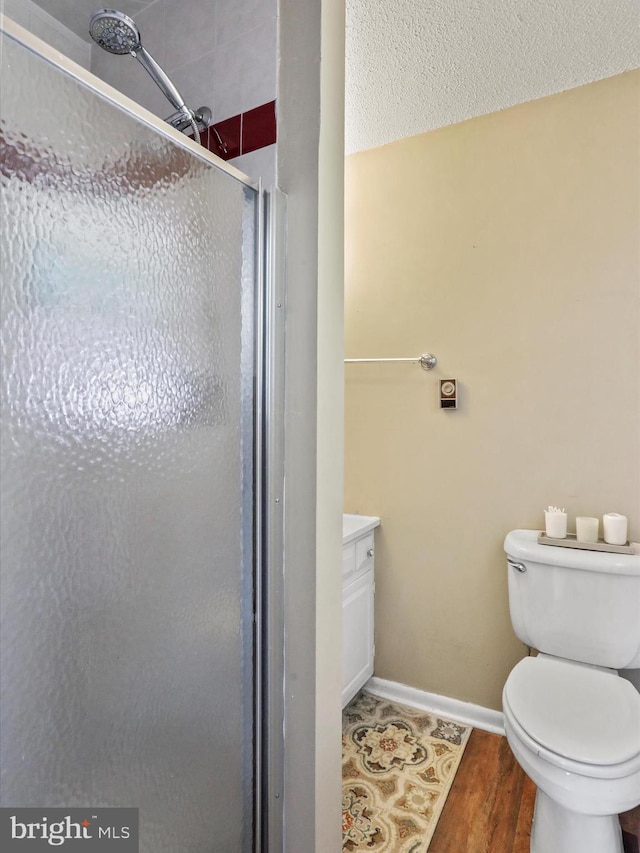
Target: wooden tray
572 542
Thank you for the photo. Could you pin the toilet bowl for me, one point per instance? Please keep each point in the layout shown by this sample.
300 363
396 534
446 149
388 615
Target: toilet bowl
574 729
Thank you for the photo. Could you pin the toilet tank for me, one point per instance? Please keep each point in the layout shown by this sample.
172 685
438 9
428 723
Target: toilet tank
576 604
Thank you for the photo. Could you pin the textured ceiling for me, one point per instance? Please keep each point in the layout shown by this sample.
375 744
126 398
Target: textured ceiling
415 65
75 14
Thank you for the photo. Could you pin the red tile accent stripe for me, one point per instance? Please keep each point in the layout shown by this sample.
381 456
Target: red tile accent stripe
259 127
242 133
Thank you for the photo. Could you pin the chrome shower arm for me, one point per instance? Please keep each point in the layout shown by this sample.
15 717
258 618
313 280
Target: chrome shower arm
162 81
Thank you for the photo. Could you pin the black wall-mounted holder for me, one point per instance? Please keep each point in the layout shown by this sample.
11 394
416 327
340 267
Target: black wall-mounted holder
448 393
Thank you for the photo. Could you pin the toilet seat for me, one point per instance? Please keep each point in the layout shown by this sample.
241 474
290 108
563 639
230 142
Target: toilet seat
579 717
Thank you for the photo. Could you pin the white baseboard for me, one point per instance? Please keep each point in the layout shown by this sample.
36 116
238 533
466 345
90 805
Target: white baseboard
453 709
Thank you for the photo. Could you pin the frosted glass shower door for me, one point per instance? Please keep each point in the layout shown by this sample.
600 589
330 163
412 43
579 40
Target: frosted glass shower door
127 334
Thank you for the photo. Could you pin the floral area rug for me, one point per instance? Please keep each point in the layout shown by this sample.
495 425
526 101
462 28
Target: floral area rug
398 764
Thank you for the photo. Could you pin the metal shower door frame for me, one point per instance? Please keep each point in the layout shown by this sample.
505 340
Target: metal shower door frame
270 465
269 444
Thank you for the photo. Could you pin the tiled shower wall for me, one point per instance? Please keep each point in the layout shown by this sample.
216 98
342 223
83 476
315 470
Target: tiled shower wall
46 27
219 53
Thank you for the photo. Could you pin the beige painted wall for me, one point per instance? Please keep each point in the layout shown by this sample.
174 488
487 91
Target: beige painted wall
508 246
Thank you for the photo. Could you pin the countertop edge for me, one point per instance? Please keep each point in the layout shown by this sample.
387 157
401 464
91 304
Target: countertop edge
366 523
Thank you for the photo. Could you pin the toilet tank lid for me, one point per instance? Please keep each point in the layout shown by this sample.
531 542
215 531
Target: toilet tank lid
523 546
575 710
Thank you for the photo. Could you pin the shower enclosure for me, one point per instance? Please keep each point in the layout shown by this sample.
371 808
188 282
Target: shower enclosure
139 455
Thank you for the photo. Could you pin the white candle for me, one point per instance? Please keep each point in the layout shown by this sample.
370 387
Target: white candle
555 524
615 528
587 529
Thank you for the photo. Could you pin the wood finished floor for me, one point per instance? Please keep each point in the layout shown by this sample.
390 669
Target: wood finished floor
490 806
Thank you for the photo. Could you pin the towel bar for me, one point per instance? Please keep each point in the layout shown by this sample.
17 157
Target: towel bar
426 360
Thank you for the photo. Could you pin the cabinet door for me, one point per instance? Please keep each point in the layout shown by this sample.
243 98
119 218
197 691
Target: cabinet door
357 633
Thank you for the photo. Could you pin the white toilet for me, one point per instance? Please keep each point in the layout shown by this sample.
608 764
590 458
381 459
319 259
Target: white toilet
572 721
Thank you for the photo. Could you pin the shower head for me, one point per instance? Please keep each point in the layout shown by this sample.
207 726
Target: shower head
114 31
117 33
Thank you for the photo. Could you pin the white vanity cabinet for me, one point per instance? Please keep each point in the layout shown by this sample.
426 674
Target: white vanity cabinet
358 588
